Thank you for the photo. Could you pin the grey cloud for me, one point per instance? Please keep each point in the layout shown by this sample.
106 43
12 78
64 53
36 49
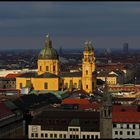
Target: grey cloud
72 19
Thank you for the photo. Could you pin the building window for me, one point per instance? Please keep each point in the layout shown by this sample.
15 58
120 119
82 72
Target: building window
114 125
71 137
79 84
42 135
55 135
133 132
47 68
75 85
133 126
32 134
121 126
86 86
71 85
128 132
88 136
46 135
77 137
20 85
86 72
51 135
45 85
60 135
127 125
92 136
36 134
121 132
96 136
70 129
105 113
84 136
64 135
66 85
116 132
53 68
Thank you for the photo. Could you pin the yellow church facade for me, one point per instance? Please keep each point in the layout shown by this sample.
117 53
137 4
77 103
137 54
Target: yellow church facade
49 77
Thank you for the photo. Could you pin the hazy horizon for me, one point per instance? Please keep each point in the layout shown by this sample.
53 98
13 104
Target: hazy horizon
70 24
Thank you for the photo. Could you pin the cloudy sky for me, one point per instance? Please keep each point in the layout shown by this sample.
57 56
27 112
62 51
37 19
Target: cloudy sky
70 24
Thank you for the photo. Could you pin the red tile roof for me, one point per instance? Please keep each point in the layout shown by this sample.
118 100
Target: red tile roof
122 108
13 75
4 111
83 103
125 114
75 101
126 117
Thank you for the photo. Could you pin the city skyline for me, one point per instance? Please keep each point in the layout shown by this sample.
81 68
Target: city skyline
70 24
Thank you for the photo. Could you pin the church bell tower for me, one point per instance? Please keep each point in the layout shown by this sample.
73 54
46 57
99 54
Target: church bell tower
106 115
88 68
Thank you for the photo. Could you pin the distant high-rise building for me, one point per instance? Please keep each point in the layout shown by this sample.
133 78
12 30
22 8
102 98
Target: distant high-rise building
125 48
60 51
107 52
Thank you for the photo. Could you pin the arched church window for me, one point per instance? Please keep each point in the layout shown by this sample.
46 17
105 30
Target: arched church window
47 68
105 113
53 68
45 85
86 72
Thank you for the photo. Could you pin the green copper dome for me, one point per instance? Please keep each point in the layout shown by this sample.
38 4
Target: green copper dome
48 52
88 47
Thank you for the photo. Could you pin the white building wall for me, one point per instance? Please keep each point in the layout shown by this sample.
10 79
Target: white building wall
126 130
35 132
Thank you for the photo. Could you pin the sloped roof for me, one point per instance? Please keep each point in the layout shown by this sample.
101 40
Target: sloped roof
126 117
48 75
11 75
35 75
75 101
10 105
4 110
28 75
122 108
106 75
125 113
